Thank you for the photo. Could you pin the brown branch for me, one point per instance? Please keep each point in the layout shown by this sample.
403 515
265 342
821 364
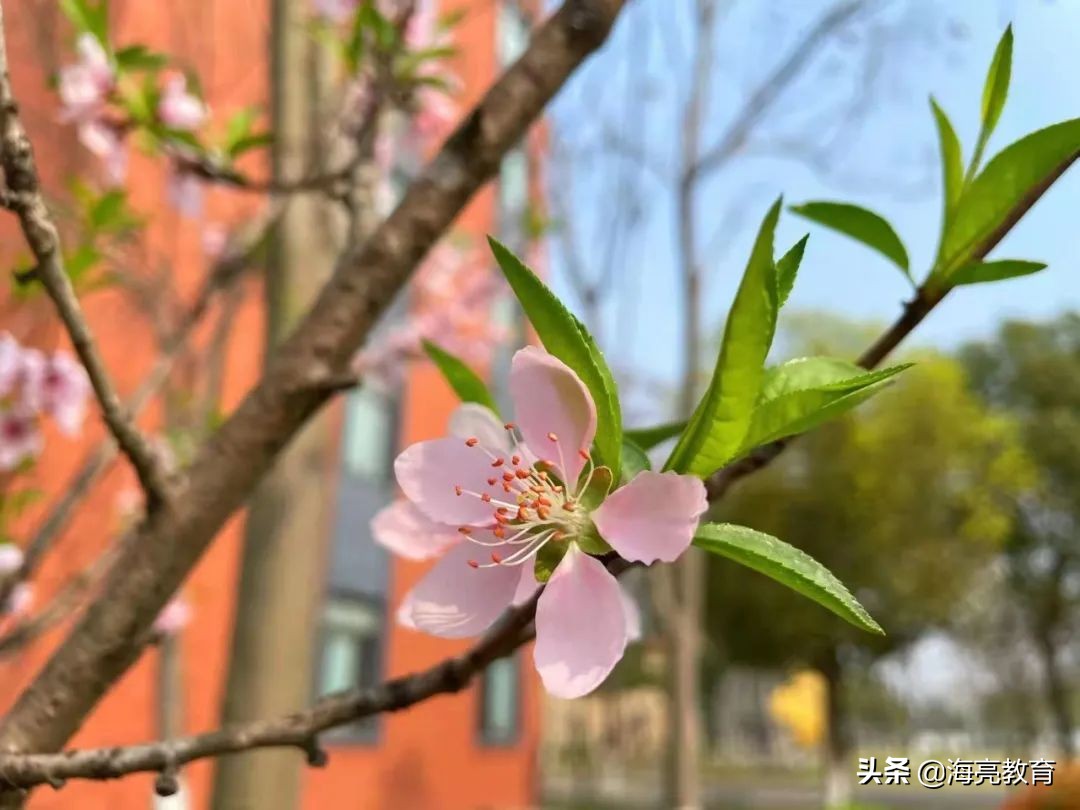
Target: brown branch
25 198
165 547
298 730
226 271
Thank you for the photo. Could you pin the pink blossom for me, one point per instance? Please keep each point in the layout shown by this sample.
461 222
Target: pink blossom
178 108
174 617
85 86
11 363
20 438
58 385
215 238
185 192
20 601
11 558
335 11
511 492
105 142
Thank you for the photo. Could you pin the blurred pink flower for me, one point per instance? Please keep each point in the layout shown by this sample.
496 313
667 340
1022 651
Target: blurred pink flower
178 108
11 558
105 142
20 438
335 11
174 617
215 238
507 504
58 385
185 191
85 86
20 601
453 296
11 363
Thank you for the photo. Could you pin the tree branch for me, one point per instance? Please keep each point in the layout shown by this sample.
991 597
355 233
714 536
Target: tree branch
25 198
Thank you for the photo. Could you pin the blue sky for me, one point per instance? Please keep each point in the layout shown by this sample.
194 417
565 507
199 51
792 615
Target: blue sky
888 164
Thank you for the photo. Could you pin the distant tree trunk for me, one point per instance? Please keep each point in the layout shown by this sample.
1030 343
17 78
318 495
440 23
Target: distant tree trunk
1055 690
270 670
838 766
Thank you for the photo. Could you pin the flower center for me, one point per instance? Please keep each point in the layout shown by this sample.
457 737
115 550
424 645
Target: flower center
530 505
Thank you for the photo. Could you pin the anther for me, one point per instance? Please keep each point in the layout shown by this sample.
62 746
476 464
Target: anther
522 513
472 441
507 488
495 558
508 477
552 437
464 530
584 454
515 460
458 491
492 482
522 473
499 532
509 426
485 498
498 462
473 564
543 512
543 501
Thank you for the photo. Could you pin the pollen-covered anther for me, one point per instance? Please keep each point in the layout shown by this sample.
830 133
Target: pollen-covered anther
485 498
473 564
500 517
552 437
543 501
522 513
569 506
492 481
507 488
515 460
522 473
508 477
498 462
495 558
509 426
499 532
464 530
458 491
472 441
543 512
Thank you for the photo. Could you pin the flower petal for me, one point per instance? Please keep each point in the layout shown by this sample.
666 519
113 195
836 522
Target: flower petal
654 517
527 585
407 532
580 626
549 398
472 420
429 472
455 600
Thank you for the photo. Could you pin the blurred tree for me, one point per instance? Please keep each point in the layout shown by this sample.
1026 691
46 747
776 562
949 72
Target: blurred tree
1027 369
903 500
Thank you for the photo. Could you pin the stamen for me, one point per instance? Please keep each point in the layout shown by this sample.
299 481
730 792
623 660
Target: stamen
508 477
492 481
458 490
498 462
474 564
515 460
472 441
466 530
485 498
509 426
522 474
552 437
495 558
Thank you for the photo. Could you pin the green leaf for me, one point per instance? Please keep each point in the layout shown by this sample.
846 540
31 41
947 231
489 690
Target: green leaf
465 382
787 268
249 142
139 57
996 88
634 459
648 438
564 336
720 421
787 565
87 18
979 272
865 226
952 164
1001 194
802 394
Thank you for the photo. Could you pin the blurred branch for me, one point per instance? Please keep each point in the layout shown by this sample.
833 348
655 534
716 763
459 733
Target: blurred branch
20 174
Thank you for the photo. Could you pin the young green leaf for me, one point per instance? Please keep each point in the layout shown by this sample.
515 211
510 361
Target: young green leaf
465 382
996 89
787 268
89 18
634 459
787 565
802 394
980 272
865 226
952 164
716 429
648 438
564 336
1003 192
139 57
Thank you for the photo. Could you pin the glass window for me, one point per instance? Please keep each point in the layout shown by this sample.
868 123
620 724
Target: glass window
513 33
369 433
351 651
500 702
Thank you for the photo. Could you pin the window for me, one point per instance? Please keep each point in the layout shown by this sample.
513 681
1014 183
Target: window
351 654
369 434
500 702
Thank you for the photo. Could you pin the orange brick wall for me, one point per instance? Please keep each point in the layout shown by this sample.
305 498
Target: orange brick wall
426 758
